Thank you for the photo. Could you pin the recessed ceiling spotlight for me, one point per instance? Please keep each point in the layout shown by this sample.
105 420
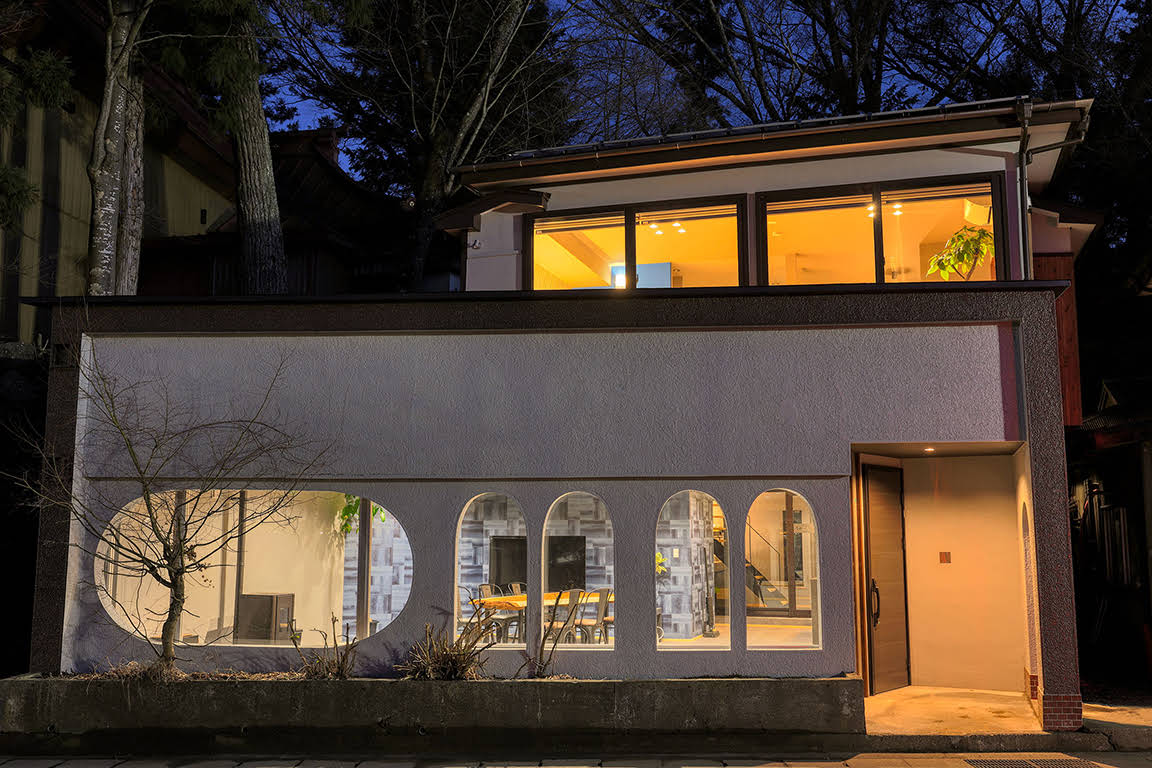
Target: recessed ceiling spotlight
681 230
897 213
871 215
675 223
659 231
651 226
929 449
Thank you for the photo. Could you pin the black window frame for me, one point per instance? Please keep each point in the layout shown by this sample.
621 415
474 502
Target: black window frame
875 189
629 210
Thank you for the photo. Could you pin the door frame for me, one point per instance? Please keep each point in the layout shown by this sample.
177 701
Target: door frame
863 569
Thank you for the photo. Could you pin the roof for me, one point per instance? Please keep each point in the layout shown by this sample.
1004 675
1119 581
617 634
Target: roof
997 117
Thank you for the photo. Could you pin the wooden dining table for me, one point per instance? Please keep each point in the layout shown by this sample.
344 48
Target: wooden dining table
520 602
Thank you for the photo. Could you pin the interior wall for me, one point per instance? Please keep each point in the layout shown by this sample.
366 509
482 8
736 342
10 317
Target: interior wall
966 620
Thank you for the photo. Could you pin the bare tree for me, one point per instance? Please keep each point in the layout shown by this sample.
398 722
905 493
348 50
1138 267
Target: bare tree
175 530
429 86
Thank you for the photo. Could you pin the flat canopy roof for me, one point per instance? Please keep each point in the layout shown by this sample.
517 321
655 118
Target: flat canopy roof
947 125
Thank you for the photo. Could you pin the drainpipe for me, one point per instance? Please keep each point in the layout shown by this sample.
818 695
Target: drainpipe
1024 116
1023 160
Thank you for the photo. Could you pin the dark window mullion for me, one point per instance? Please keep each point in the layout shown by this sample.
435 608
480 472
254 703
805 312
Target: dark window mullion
878 233
630 245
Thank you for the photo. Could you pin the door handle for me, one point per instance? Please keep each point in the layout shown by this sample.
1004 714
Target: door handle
874 599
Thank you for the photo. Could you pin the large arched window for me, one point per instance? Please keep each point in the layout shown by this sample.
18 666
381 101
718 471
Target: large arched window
782 572
579 572
492 567
692 560
269 565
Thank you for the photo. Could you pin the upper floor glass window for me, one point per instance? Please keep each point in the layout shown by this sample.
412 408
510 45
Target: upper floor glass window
883 233
687 247
578 252
941 233
642 246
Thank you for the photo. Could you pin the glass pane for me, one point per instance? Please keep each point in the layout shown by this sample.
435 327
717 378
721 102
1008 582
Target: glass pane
781 584
579 568
578 252
688 247
941 233
826 240
692 574
492 570
390 571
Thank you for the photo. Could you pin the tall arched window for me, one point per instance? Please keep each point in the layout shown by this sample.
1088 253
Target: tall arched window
692 578
579 572
492 567
782 572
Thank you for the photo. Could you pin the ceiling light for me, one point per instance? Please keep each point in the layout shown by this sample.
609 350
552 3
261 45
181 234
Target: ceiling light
897 213
871 215
675 223
651 226
620 280
897 205
681 230
872 207
929 449
659 231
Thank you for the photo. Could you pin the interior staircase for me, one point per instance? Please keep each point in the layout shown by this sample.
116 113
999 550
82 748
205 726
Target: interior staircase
761 595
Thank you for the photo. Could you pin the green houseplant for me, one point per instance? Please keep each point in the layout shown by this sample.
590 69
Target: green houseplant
963 252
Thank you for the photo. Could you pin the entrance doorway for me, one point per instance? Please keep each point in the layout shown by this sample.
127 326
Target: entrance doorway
884 563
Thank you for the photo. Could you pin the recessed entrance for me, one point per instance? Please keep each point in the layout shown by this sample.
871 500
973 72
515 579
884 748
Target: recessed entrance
940 565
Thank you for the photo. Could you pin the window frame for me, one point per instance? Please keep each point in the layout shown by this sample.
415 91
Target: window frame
629 210
996 180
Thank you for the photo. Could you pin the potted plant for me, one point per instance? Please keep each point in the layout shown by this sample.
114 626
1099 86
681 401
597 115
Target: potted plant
963 252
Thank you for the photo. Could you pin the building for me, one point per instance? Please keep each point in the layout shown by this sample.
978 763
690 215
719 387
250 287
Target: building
685 369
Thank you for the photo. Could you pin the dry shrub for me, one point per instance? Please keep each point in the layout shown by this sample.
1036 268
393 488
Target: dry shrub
333 662
440 657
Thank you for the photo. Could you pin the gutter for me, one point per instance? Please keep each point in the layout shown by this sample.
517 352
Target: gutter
1024 109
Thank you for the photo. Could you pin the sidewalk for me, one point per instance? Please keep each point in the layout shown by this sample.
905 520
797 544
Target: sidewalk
958 760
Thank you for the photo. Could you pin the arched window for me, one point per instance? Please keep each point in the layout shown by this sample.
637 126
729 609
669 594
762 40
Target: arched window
579 572
492 567
692 574
782 572
373 601
269 565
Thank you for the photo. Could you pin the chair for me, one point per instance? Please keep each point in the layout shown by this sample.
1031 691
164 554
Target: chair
518 587
589 627
565 630
501 618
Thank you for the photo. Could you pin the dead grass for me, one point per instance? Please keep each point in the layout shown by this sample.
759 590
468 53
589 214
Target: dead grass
134 671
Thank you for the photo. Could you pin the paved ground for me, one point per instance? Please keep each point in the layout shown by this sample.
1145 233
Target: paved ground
972 760
920 709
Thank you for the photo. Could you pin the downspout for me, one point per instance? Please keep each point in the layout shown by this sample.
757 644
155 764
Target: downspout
1023 160
1024 116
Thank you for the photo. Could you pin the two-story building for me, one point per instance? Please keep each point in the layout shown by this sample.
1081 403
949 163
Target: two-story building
779 401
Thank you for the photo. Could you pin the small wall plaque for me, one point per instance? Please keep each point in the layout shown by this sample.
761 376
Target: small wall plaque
945 557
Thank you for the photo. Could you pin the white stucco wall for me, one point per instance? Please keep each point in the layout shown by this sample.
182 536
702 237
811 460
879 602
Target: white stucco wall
421 423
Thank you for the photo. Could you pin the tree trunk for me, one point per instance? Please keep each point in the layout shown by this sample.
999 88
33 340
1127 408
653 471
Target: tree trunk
264 268
104 175
176 596
131 192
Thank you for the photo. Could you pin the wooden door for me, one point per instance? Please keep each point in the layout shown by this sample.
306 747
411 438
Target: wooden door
887 596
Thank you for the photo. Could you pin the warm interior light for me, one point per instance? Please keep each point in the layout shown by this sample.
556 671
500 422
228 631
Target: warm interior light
659 231
897 205
929 449
651 226
620 280
872 207
681 230
675 223
897 213
871 215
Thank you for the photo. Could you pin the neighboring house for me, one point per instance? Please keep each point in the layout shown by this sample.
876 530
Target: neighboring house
1111 487
713 383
